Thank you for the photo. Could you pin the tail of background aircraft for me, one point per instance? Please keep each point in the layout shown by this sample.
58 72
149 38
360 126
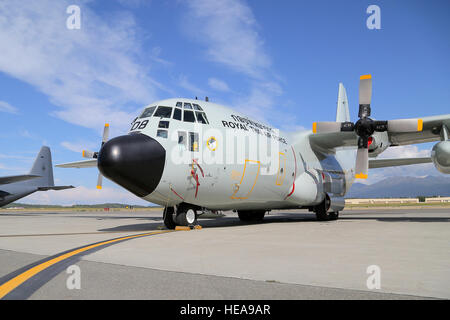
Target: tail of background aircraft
342 112
43 168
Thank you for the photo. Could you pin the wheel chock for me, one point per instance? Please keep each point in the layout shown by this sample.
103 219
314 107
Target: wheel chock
181 228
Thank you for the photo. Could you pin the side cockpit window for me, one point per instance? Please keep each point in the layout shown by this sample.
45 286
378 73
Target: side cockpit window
201 117
147 112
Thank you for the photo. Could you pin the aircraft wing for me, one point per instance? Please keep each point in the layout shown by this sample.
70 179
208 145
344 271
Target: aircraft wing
79 164
383 163
11 179
55 188
430 132
327 142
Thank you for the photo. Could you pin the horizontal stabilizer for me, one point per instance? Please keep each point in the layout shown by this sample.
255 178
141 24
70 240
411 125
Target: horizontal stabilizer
383 163
79 164
12 179
55 188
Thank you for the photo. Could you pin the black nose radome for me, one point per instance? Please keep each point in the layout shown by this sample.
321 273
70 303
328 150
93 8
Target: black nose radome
136 162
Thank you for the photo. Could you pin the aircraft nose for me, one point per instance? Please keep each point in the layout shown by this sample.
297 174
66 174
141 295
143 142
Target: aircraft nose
135 162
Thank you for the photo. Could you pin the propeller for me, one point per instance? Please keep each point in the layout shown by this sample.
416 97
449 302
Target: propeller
365 126
94 155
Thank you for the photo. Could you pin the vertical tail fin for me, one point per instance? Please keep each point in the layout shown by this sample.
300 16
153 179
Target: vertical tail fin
342 112
42 166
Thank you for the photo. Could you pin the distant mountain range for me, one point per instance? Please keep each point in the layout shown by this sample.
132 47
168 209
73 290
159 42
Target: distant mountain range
402 187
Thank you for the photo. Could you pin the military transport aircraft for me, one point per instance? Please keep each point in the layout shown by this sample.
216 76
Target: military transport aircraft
192 156
40 178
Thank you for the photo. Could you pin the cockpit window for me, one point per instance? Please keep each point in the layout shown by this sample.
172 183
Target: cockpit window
201 117
177 114
179 104
163 112
187 106
197 107
189 116
147 112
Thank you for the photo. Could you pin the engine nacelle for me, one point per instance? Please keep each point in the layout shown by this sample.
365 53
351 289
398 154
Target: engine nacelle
379 142
306 190
441 156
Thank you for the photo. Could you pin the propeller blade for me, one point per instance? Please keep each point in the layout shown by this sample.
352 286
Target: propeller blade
362 163
99 181
105 133
326 127
365 95
405 125
89 154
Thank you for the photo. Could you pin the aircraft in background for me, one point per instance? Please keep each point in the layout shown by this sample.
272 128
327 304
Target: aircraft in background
192 156
40 178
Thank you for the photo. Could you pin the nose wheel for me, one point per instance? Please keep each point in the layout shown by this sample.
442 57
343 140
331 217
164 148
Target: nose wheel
182 216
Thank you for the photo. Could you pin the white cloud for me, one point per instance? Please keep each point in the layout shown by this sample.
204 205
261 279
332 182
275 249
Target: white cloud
89 73
410 151
218 85
184 82
78 146
6 107
229 31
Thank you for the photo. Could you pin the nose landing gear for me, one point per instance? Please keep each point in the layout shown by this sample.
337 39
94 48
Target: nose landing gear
181 215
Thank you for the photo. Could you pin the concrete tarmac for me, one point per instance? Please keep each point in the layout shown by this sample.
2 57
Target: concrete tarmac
288 256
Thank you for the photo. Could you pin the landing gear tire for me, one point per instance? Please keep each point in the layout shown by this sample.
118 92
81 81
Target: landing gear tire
322 213
168 218
251 216
186 217
333 215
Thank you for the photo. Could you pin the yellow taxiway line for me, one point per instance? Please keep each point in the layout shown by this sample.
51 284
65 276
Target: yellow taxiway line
10 285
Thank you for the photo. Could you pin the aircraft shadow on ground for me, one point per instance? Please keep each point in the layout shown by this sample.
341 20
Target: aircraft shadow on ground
230 221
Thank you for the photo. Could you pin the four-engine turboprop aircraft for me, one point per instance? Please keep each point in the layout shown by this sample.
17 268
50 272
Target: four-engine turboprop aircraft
191 156
40 178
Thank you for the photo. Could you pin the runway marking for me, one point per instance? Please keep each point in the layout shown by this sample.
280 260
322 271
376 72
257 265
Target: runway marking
13 283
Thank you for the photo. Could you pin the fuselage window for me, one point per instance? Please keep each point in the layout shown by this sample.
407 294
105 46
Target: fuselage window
193 141
162 134
201 117
197 107
147 112
177 114
189 116
182 140
163 124
187 106
163 112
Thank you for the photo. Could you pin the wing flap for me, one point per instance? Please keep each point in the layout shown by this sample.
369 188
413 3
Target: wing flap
383 163
55 188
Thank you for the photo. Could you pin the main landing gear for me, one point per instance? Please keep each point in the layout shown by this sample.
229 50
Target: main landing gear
181 215
322 212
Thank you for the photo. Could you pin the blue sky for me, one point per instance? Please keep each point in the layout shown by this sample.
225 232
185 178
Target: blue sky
278 61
